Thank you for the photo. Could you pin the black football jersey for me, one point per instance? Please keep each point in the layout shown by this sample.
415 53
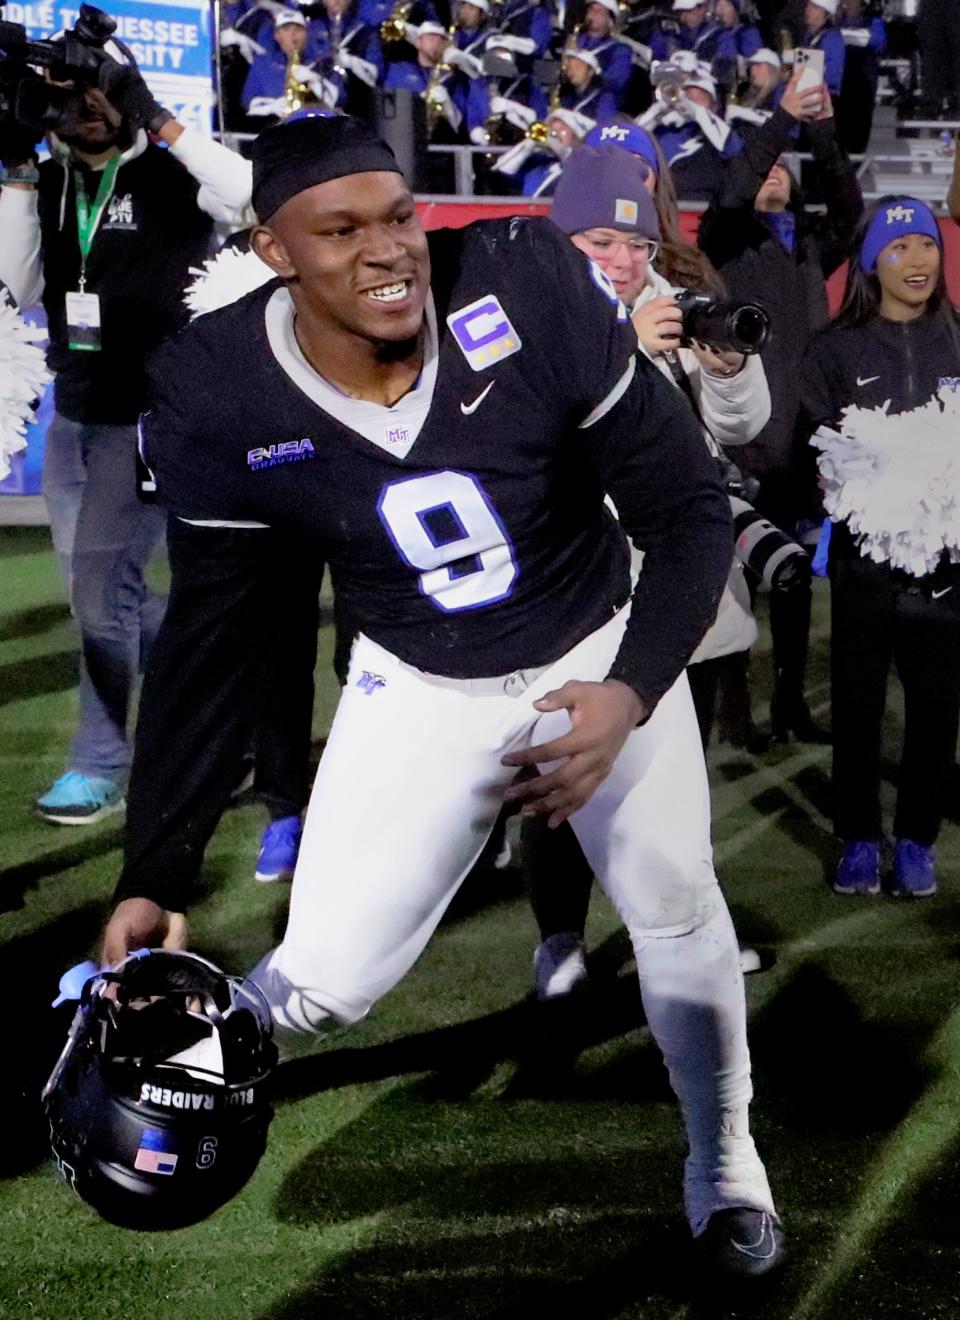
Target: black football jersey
479 543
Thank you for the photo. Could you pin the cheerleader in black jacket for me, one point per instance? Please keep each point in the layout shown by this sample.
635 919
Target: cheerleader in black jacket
886 375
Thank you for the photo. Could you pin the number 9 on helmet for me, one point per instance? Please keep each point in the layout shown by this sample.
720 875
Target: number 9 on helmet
158 1104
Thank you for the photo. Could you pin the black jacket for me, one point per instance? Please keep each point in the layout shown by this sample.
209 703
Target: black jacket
151 233
899 365
755 265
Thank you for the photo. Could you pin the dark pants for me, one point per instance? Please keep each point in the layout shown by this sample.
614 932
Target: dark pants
939 30
879 616
285 721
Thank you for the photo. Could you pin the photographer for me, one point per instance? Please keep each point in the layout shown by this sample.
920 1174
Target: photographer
765 244
729 395
106 230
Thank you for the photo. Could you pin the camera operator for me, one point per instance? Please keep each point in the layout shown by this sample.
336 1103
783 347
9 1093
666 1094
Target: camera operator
106 230
759 236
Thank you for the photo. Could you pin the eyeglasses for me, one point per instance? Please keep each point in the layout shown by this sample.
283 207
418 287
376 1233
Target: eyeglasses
634 245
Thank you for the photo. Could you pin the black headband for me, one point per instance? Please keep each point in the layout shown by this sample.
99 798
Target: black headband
292 157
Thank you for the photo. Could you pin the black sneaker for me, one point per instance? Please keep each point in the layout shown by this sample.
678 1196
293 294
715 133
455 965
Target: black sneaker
742 1244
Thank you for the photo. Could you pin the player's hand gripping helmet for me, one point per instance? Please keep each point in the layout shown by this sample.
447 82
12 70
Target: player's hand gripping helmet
157 1105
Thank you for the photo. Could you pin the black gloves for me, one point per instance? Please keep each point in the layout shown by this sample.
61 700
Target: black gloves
125 89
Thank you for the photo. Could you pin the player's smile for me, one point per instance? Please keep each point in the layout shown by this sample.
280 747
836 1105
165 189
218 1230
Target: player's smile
356 255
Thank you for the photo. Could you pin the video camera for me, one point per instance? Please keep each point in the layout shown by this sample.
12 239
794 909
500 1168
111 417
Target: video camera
31 101
726 326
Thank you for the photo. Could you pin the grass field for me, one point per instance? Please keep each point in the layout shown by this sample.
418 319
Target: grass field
465 1153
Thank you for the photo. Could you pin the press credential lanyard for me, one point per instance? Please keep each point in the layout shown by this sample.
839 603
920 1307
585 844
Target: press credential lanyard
83 309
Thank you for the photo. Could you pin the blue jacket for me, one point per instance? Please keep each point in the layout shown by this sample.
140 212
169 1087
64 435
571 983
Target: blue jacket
708 41
830 40
616 61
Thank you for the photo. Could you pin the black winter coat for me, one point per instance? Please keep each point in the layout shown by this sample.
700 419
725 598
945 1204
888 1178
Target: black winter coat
790 285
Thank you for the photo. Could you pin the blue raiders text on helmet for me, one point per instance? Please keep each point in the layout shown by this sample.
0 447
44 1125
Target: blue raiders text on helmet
158 1104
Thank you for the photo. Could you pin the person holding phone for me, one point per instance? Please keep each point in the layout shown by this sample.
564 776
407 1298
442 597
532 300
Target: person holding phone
768 247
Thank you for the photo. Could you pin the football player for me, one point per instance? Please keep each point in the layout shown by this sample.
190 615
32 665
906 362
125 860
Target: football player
441 420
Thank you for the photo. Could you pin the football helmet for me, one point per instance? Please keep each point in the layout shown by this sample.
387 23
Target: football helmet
158 1104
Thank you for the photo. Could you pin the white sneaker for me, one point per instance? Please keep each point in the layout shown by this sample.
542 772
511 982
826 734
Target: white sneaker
559 965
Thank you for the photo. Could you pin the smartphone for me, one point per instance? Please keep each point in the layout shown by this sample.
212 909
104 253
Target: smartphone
809 60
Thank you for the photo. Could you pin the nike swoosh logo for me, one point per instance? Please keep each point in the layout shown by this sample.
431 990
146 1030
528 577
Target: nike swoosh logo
866 380
468 408
935 595
759 1250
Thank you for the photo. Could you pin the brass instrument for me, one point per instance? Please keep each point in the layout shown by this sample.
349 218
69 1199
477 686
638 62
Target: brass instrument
435 106
439 71
296 94
394 27
538 132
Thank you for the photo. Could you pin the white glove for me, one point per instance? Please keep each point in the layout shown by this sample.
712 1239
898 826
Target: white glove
246 45
657 111
448 110
267 105
513 111
362 69
303 73
469 64
478 136
520 45
512 161
856 36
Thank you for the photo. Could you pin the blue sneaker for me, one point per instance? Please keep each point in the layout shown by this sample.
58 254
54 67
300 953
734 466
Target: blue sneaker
76 799
859 869
913 874
278 849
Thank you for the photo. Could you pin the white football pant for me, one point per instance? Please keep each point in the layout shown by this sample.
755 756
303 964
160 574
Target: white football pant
408 789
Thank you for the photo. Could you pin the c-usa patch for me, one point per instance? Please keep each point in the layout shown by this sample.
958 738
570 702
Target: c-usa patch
270 456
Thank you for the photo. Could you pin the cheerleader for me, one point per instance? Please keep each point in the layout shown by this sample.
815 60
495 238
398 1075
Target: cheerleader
883 383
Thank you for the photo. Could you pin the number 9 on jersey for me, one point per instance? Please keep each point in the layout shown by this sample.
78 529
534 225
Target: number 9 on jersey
444 525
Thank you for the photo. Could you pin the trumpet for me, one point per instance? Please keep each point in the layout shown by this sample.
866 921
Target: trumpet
394 27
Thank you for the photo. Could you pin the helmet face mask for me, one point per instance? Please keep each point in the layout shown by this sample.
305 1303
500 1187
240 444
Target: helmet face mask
158 1105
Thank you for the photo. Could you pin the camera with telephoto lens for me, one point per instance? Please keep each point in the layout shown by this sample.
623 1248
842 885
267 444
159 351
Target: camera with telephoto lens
28 100
725 326
775 558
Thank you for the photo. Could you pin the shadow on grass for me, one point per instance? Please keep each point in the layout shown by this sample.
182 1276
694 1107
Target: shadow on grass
38 676
16 881
29 623
34 1033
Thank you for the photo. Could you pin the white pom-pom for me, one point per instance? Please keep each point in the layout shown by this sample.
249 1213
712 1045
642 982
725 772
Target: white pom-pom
23 376
223 279
895 479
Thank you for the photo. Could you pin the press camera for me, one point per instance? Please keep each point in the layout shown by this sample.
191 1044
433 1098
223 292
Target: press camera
27 98
737 327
